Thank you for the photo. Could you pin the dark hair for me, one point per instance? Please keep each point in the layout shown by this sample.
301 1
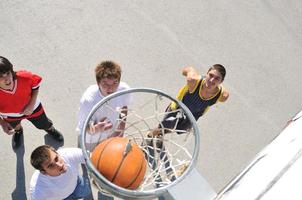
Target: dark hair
107 69
220 68
6 66
40 155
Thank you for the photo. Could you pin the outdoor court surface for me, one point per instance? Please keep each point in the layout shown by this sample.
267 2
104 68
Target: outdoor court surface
259 42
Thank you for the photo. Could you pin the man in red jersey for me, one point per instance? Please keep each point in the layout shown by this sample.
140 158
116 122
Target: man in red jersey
18 101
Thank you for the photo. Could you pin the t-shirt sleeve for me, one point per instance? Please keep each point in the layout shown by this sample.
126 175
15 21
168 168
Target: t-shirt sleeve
37 195
84 110
126 99
74 155
35 79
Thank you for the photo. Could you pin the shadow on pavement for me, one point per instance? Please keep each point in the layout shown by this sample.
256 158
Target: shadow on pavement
20 190
52 142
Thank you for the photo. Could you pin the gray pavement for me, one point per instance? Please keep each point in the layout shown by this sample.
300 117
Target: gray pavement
258 41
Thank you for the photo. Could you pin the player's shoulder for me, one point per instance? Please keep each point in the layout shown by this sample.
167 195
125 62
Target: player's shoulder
90 92
36 182
224 94
92 88
123 86
124 99
71 154
37 193
29 76
23 73
34 178
68 150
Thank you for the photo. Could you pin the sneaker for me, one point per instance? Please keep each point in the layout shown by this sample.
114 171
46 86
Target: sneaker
17 138
55 134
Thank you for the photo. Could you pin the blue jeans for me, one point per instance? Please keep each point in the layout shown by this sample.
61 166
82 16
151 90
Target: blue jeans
82 189
102 196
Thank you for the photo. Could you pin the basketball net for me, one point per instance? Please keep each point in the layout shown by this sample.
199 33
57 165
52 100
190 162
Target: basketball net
170 152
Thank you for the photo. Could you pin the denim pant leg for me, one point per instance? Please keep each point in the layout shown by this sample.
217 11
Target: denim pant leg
82 189
102 196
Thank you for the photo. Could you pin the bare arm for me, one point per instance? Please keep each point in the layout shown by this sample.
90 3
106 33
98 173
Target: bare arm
224 96
7 128
123 117
29 108
192 76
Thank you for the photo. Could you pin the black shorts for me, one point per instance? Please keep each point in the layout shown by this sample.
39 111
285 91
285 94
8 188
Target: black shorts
175 120
41 121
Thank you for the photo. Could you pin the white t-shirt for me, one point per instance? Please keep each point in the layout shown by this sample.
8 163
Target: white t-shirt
44 187
90 98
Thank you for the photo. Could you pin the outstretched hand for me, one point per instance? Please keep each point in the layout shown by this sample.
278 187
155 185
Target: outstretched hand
103 125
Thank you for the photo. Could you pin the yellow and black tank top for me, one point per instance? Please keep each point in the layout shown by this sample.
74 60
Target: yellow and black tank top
193 100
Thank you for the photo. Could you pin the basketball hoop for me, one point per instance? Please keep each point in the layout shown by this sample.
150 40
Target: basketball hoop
171 153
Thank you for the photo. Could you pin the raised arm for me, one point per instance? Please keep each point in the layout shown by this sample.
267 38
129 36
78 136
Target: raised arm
192 76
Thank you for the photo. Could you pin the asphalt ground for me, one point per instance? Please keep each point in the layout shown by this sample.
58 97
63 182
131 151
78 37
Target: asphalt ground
259 42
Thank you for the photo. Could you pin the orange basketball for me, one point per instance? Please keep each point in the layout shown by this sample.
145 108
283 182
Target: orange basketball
120 161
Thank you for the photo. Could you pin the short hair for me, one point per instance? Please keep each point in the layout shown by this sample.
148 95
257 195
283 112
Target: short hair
6 66
220 68
108 69
40 155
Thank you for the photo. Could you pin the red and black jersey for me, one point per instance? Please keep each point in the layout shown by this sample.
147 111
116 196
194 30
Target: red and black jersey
12 102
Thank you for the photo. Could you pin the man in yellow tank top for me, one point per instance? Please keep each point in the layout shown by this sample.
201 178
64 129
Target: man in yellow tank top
198 95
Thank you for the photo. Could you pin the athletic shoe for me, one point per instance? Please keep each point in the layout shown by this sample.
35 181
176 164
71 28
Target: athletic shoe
17 138
55 134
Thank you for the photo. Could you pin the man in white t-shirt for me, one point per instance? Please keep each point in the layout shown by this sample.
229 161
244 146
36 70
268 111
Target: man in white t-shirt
57 175
106 121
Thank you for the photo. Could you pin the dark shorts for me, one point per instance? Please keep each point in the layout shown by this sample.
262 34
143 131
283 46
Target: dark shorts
175 120
40 121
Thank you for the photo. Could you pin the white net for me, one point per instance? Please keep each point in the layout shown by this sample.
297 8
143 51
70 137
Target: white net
168 138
